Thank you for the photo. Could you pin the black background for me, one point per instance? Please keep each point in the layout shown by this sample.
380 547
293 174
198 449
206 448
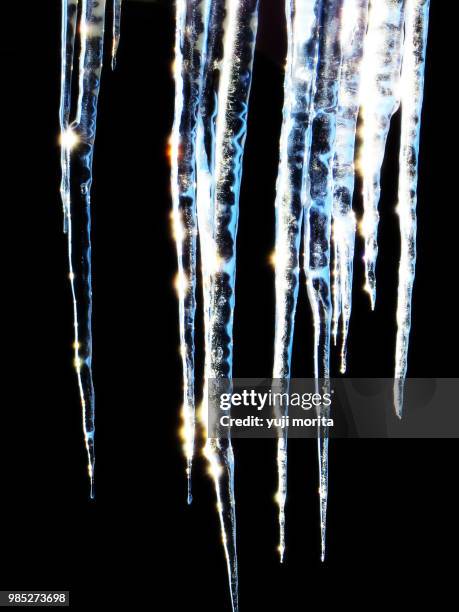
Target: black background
392 506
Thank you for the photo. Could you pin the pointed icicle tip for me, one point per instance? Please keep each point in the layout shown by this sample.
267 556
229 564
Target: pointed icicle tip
370 288
372 295
398 397
189 498
116 30
115 45
281 553
92 490
343 361
323 546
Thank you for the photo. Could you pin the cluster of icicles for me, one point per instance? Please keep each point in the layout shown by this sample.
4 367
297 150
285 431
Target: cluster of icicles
344 58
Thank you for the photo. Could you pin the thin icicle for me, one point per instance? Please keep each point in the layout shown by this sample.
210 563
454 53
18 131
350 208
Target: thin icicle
412 89
380 100
205 162
79 141
240 28
218 453
318 202
116 30
190 37
67 139
302 18
353 29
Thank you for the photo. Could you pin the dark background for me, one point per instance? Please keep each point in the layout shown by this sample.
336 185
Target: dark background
392 506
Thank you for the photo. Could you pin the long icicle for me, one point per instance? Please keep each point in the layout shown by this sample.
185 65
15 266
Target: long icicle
380 100
205 152
116 30
240 29
205 163
353 30
221 464
79 141
190 37
412 89
318 202
302 18
67 137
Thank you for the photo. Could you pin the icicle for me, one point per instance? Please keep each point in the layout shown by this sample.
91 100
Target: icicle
205 162
190 36
353 29
77 170
318 195
240 28
302 32
218 453
67 139
116 30
412 87
380 100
